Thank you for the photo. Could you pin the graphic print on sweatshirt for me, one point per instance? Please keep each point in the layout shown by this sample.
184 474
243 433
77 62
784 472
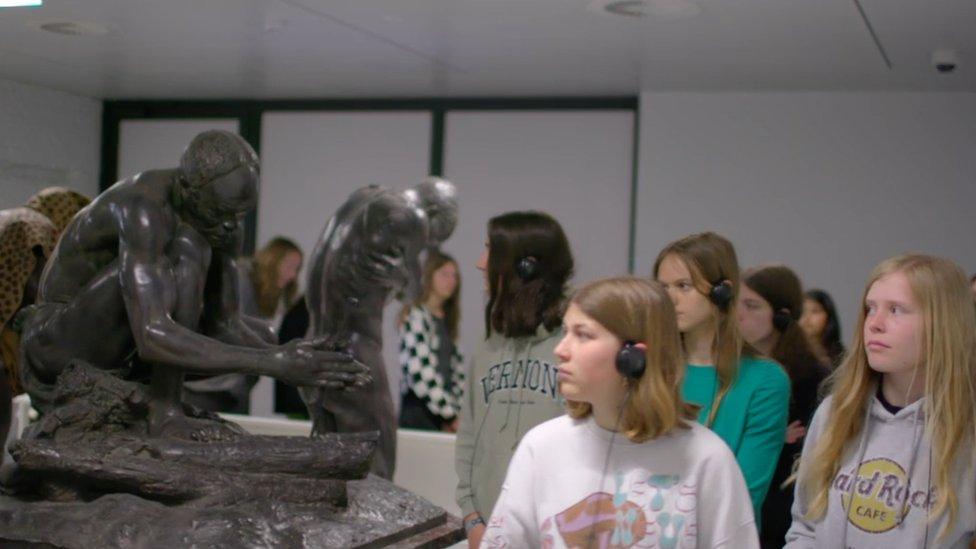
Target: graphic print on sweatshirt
528 374
645 510
881 492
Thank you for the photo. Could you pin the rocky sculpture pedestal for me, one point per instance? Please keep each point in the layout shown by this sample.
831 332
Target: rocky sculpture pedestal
89 476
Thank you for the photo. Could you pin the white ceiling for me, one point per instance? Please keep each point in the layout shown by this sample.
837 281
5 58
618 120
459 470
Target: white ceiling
403 48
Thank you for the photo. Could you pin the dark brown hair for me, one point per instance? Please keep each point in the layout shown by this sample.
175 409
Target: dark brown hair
781 288
517 306
830 338
452 309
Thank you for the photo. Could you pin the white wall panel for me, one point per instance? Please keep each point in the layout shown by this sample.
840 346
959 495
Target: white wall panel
47 138
828 183
574 165
312 161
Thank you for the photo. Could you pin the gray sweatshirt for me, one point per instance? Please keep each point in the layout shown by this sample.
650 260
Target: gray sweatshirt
511 387
885 469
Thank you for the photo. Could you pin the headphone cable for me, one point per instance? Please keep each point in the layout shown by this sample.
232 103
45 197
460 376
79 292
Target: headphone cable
606 463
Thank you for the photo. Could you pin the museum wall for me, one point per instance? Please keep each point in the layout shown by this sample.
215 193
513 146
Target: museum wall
575 164
313 161
47 137
829 183
154 144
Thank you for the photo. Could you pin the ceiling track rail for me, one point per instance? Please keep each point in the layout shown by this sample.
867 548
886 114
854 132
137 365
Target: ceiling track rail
874 35
374 35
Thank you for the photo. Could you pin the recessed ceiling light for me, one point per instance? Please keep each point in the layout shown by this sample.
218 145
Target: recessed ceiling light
656 9
73 28
20 3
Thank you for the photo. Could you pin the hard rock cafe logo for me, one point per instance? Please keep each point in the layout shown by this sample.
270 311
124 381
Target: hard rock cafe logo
881 493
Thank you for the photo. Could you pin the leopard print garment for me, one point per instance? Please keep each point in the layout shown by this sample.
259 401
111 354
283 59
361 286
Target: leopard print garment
59 204
21 229
40 223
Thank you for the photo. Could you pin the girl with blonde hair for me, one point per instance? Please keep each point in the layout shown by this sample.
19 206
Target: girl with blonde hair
743 398
628 466
274 275
888 461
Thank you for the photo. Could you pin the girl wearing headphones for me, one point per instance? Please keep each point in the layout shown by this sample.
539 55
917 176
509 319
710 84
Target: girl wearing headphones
888 460
769 309
744 399
628 466
512 383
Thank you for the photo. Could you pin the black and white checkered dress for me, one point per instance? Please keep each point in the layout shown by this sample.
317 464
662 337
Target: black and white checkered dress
419 346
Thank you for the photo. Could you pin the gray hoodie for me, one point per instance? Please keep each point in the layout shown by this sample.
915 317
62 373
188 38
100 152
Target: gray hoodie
511 387
888 468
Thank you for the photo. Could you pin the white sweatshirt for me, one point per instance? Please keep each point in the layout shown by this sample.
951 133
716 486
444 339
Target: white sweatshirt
680 490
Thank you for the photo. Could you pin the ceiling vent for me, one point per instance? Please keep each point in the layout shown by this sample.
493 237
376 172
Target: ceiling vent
73 28
653 9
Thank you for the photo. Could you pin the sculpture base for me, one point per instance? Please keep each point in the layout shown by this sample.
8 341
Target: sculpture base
89 475
378 514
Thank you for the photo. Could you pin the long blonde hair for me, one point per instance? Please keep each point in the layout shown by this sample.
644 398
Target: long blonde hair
264 276
639 310
711 260
949 357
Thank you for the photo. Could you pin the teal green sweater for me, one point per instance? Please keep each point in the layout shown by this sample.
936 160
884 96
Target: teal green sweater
751 418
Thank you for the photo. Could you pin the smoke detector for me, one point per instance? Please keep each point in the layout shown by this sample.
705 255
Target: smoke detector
654 9
72 28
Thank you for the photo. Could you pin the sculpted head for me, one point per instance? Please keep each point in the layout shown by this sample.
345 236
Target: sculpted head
220 174
437 197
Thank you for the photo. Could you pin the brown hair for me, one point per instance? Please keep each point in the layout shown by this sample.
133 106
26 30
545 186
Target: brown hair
517 306
639 310
452 309
711 260
264 275
781 288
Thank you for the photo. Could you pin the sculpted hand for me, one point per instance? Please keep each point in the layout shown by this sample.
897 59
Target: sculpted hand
303 363
337 343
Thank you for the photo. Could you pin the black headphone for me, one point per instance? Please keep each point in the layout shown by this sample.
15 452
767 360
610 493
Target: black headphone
721 294
527 267
631 361
782 319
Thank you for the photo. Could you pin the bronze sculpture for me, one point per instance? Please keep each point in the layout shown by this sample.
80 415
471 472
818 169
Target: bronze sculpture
153 260
369 250
141 289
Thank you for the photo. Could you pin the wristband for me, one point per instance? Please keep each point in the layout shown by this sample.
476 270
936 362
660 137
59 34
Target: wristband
469 525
